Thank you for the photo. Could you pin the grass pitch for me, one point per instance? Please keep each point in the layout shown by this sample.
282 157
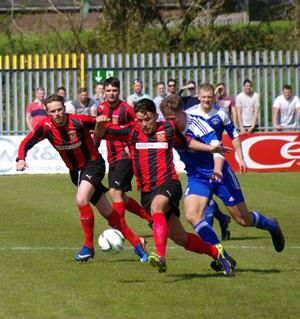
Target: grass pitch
40 234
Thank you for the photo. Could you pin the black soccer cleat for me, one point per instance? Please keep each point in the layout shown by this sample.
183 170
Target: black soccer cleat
225 233
278 238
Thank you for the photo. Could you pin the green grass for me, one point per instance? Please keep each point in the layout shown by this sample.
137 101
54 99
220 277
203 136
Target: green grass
40 234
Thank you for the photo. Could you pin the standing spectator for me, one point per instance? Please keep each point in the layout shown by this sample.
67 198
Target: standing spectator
138 93
285 109
99 93
83 104
247 106
192 98
225 101
172 86
36 111
161 94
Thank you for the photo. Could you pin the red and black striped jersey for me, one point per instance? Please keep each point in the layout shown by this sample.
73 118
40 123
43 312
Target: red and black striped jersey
151 154
73 141
119 115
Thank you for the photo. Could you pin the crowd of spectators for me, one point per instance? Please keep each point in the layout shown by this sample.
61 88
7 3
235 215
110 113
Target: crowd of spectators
244 109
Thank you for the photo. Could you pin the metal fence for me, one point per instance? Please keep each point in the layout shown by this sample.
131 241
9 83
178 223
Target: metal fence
20 75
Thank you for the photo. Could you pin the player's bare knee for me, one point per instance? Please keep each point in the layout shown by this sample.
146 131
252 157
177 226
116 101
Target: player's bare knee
81 201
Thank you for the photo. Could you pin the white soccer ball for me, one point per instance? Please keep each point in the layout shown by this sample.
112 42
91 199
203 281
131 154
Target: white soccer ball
111 240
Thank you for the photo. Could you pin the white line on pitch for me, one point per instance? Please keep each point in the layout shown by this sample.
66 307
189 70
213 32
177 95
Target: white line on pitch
38 248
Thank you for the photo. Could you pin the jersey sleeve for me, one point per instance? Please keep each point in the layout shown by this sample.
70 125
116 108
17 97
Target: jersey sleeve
118 132
88 121
130 115
180 139
229 126
35 136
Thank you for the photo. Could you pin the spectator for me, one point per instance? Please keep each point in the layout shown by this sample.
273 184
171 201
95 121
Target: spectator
138 93
161 94
247 106
61 91
99 93
192 98
226 102
172 87
286 107
83 104
36 111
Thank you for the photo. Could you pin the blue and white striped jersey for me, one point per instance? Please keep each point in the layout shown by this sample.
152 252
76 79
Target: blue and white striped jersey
198 164
217 118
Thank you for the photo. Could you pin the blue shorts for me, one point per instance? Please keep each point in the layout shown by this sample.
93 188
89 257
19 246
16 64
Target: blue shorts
228 190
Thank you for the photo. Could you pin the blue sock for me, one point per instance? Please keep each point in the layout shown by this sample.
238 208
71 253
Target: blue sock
262 222
204 230
209 212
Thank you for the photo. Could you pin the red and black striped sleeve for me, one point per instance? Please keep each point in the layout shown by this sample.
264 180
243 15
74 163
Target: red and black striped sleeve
118 132
180 139
88 122
35 136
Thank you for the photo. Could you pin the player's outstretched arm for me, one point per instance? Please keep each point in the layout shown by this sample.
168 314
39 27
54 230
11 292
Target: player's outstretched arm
199 146
21 165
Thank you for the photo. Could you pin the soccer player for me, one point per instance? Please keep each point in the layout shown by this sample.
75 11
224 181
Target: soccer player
120 165
200 188
70 135
220 121
150 144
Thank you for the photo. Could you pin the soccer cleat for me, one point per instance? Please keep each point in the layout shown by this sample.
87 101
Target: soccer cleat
223 262
85 254
140 250
158 262
225 233
278 238
217 266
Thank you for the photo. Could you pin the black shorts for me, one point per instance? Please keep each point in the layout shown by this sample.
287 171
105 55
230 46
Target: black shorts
171 189
120 175
93 172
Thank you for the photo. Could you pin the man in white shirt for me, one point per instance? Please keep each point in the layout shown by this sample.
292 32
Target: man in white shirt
286 107
247 106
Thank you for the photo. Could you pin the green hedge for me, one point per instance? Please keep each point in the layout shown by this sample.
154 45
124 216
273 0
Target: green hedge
275 35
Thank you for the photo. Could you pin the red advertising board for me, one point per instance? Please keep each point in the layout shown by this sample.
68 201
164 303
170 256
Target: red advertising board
268 152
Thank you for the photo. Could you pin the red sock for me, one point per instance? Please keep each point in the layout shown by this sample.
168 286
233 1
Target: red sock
87 223
196 244
118 222
119 207
160 233
133 206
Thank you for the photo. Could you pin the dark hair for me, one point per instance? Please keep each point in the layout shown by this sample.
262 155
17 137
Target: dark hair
61 88
112 81
160 82
247 81
54 98
287 87
171 104
172 80
82 89
145 105
192 82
